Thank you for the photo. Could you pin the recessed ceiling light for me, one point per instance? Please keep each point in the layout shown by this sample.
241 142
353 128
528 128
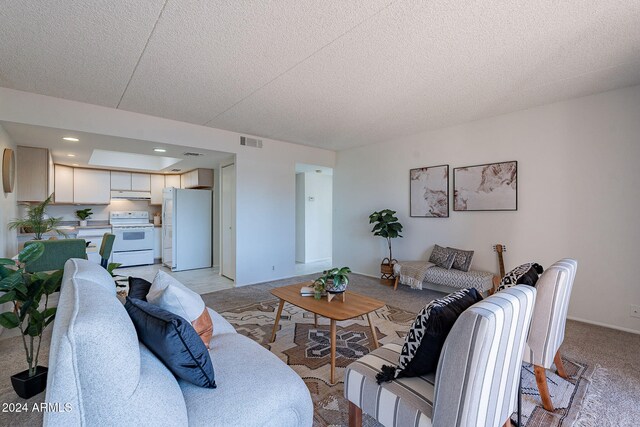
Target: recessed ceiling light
159 150
69 138
75 164
71 155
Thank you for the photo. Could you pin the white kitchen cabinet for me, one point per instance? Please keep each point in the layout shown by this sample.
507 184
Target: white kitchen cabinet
197 178
140 182
91 186
121 180
157 243
63 188
157 185
34 179
172 181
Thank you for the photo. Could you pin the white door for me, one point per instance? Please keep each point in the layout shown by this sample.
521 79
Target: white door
228 200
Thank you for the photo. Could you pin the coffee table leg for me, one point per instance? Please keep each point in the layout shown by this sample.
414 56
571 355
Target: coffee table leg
333 351
373 332
275 325
315 320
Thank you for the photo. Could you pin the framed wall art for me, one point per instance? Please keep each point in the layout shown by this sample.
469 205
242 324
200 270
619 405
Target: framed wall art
429 192
490 187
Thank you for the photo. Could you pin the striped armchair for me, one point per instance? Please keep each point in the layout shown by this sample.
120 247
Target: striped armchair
477 378
549 319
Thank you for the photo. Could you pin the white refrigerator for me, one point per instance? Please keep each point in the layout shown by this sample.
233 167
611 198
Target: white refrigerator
186 229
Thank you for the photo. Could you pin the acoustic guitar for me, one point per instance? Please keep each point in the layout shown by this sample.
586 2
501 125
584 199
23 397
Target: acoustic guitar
499 249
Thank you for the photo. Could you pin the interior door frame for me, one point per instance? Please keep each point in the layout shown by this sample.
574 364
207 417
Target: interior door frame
225 251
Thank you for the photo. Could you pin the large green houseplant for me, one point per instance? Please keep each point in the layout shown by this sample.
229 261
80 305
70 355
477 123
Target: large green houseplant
29 314
36 221
386 225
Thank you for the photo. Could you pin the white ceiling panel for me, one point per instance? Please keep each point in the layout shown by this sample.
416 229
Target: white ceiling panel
206 56
80 50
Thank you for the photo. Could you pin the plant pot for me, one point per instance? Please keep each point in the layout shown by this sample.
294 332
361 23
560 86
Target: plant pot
26 386
386 271
83 223
334 288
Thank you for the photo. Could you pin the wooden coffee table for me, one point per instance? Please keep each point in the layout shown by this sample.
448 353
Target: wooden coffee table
353 305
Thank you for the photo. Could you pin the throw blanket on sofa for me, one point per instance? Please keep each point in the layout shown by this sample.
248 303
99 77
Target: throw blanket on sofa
412 272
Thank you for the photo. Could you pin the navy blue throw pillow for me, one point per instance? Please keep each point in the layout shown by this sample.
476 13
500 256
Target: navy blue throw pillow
424 341
174 341
138 288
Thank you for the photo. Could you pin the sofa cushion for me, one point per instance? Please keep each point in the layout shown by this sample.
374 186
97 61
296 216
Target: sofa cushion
174 341
138 288
442 257
169 294
255 389
423 343
525 274
463 259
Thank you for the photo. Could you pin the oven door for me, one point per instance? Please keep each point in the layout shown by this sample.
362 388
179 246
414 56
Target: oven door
132 239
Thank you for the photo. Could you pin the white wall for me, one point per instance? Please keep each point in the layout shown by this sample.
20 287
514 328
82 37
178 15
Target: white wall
318 201
578 186
8 207
265 204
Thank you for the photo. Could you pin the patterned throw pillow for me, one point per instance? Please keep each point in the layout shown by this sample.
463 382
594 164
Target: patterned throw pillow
425 339
463 259
525 274
442 257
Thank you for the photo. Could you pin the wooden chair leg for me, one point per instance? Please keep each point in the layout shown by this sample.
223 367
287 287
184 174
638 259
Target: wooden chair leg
508 423
541 380
395 283
355 415
560 365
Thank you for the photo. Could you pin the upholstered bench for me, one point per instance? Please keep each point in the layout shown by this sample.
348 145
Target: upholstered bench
481 280
476 379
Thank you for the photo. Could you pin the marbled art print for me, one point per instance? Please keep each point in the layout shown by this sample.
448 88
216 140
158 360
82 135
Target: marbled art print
429 189
492 187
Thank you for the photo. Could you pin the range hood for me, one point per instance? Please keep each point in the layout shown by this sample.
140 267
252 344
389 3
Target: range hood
130 195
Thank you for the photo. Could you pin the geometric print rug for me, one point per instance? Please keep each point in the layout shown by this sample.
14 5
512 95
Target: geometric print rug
306 349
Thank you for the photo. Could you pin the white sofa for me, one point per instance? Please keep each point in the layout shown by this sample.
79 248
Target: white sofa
108 378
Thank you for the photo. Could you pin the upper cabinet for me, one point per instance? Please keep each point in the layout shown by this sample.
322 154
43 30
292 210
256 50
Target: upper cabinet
120 180
197 178
157 185
172 181
91 186
34 167
63 188
140 182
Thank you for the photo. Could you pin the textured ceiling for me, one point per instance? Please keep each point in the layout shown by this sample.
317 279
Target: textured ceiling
333 74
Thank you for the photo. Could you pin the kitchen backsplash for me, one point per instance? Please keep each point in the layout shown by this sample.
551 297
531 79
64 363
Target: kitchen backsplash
100 212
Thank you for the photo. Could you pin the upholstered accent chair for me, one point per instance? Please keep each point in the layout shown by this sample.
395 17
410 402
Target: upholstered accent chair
477 378
548 324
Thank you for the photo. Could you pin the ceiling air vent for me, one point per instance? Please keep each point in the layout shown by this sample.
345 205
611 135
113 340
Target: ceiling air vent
251 142
192 154
176 170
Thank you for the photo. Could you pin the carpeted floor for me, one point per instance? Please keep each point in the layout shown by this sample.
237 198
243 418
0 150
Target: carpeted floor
607 359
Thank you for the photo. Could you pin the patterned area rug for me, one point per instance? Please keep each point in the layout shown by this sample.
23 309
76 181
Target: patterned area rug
306 349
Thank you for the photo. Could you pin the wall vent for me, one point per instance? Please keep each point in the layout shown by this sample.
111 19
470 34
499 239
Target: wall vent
251 142
192 154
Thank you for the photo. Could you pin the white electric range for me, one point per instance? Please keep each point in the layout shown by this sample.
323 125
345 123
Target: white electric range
134 238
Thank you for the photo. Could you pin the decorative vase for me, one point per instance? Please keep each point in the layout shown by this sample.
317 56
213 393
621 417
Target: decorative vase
83 223
335 288
26 386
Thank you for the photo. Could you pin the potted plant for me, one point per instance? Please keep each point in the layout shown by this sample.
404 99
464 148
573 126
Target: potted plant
83 215
386 225
36 221
26 292
333 281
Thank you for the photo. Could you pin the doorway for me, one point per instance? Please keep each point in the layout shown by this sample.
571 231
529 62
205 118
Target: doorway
314 218
227 221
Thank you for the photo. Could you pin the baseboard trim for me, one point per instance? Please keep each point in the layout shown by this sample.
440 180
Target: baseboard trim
604 325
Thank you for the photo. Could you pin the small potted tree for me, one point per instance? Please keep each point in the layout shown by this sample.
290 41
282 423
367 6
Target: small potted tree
83 215
26 291
36 221
386 225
